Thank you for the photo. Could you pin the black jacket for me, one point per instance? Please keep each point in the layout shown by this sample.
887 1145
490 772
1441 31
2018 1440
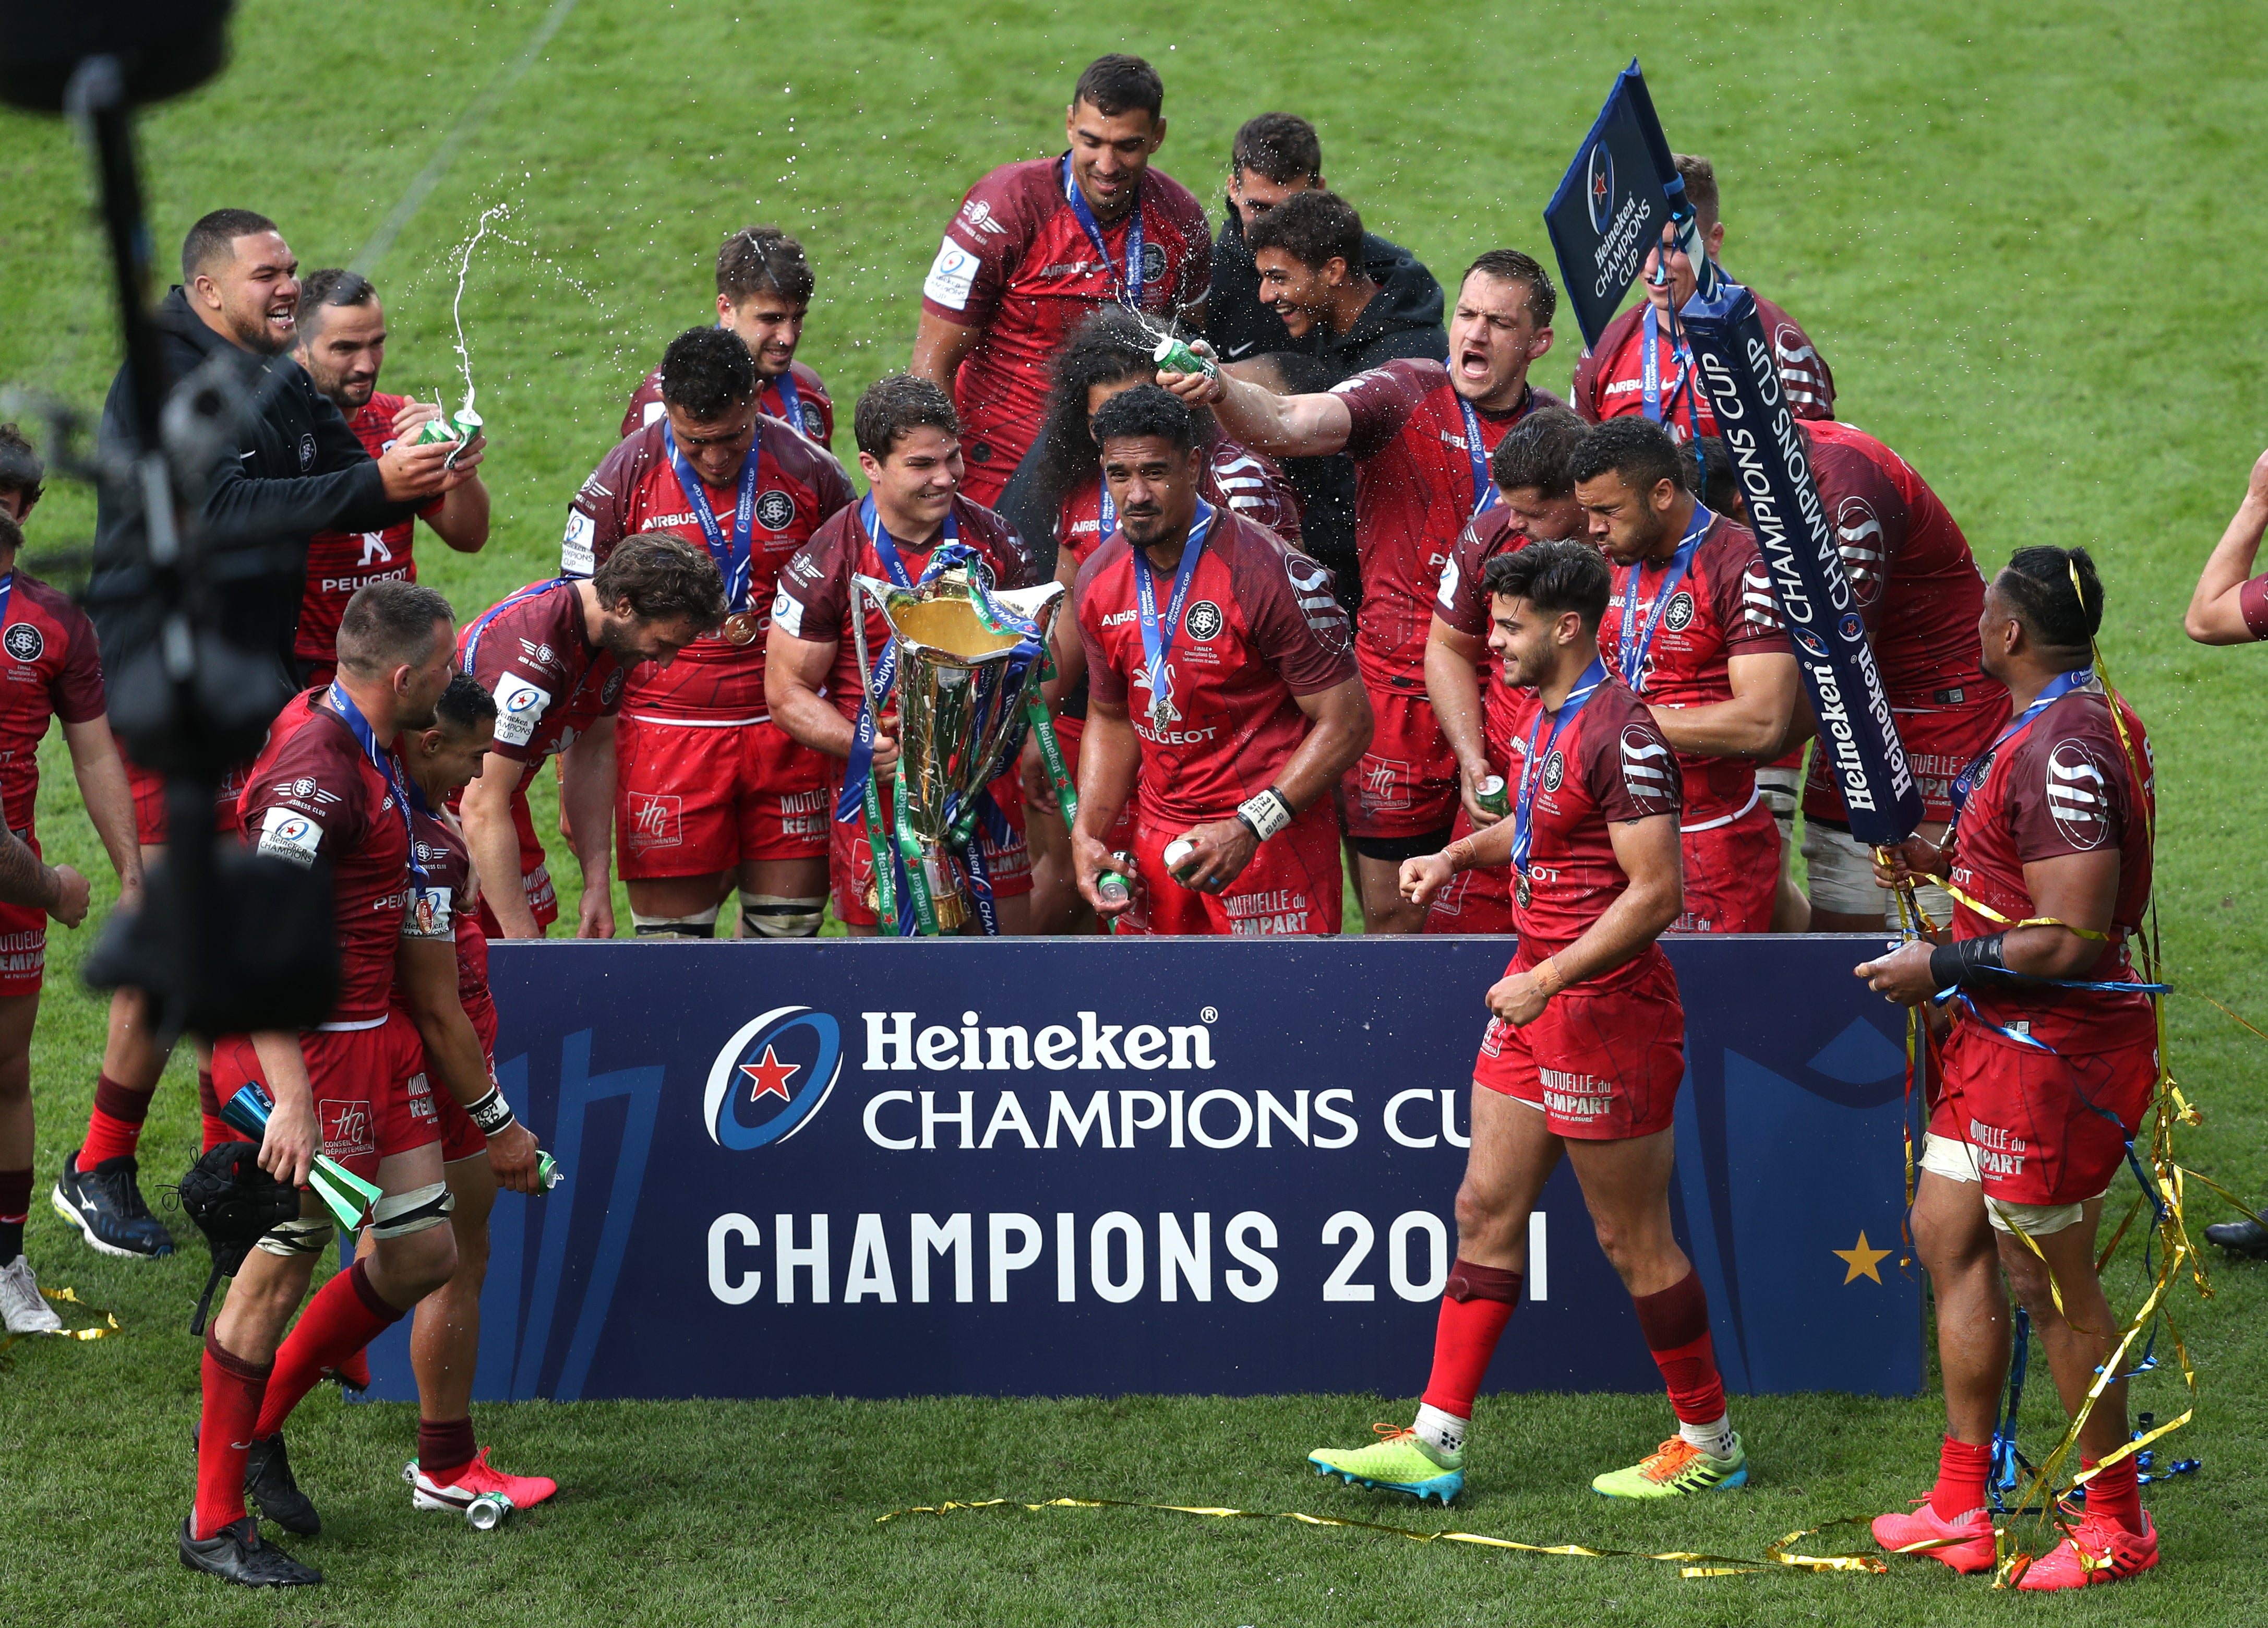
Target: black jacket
1401 319
298 469
1238 326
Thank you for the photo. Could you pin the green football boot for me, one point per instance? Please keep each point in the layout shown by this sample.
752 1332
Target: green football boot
1674 1469
1400 1460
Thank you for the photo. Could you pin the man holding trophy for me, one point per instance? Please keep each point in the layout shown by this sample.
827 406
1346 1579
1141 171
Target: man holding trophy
1251 707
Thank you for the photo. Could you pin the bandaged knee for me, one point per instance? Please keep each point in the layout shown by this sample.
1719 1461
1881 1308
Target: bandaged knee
701 925
769 915
307 1235
1956 1161
397 1215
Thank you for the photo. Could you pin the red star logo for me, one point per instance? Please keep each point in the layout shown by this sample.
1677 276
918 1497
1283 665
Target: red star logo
771 1076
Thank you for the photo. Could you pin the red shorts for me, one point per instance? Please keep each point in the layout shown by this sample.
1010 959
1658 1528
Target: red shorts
23 941
1475 900
149 789
534 875
2042 1123
1405 783
1294 884
691 799
1731 874
850 863
373 1097
1603 1064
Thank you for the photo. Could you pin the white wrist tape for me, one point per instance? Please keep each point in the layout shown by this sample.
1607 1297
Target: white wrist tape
1266 812
492 1114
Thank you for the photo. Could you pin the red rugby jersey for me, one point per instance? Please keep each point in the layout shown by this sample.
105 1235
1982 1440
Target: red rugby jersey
51 668
1413 494
1917 587
550 682
2252 603
313 794
447 909
1608 765
815 590
1016 263
1722 608
340 562
635 489
1244 483
1462 603
2062 785
1259 627
812 412
1610 380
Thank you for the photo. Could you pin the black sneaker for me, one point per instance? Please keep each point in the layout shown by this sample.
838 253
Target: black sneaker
2248 1236
105 1204
236 1555
268 1477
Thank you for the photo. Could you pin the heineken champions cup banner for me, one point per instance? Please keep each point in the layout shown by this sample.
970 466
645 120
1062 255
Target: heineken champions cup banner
1609 209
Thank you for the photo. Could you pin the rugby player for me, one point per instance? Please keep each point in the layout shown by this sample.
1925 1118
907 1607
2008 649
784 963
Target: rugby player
909 449
2048 1072
763 291
1586 1033
555 655
1530 469
1610 380
1104 357
1308 251
340 339
328 788
2230 605
1420 434
710 793
1037 246
1692 628
48 660
22 474
1251 707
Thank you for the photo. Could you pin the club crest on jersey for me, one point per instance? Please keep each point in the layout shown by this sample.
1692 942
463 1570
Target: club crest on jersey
542 655
1865 555
1204 620
306 451
775 1073
1153 262
611 691
1646 766
1555 771
1311 585
978 214
2078 794
1600 189
23 641
1679 617
775 510
813 426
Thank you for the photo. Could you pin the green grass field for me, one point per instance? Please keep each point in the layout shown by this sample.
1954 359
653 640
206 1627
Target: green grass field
2021 233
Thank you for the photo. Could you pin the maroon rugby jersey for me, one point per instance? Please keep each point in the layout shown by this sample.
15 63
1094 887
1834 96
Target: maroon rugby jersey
2062 785
813 412
313 794
446 910
52 670
1917 587
2252 602
1722 608
1413 493
550 682
340 562
815 590
1608 765
635 489
1016 263
1610 379
1259 627
1244 483
1462 603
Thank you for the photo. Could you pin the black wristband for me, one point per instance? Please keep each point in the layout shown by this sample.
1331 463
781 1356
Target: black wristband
1967 960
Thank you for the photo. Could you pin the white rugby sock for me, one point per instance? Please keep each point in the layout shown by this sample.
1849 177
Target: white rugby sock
1715 1438
702 925
1444 1430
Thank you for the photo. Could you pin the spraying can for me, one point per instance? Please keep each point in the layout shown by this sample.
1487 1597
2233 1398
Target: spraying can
461 427
1490 794
1111 884
546 1170
1173 357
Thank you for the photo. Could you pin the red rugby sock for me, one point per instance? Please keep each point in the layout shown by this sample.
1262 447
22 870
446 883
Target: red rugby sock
217 1129
114 1130
2116 1494
345 1316
232 1391
1675 1322
444 1446
1963 1471
1476 1304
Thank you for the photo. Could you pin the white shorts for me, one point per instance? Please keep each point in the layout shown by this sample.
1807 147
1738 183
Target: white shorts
1781 790
1841 872
1956 1161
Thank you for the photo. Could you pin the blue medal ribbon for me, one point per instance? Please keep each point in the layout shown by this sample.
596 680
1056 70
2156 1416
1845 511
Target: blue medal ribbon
785 385
1485 496
1965 783
1157 633
382 759
1650 378
479 628
731 554
8 590
1531 768
1126 289
1631 655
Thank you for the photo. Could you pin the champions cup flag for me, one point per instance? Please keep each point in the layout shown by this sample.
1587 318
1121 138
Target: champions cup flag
1604 222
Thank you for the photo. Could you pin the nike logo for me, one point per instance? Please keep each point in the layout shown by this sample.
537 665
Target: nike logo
1235 352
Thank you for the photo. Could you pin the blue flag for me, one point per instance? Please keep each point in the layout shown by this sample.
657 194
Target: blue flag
1611 205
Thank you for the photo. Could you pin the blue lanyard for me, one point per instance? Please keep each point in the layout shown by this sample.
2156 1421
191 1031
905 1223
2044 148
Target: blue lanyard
1531 769
473 634
1631 655
382 760
886 547
1650 369
1157 637
1126 289
785 385
1485 496
1964 784
1108 524
732 557
7 592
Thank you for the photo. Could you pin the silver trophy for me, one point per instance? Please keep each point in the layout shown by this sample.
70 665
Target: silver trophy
958 704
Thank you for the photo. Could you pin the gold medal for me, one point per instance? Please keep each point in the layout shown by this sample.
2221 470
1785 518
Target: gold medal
739 628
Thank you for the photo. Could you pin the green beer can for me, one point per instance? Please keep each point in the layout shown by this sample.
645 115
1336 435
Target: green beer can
1490 794
1173 357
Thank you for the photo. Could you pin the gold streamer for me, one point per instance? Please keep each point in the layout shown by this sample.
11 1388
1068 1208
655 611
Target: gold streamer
1776 1556
68 1296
